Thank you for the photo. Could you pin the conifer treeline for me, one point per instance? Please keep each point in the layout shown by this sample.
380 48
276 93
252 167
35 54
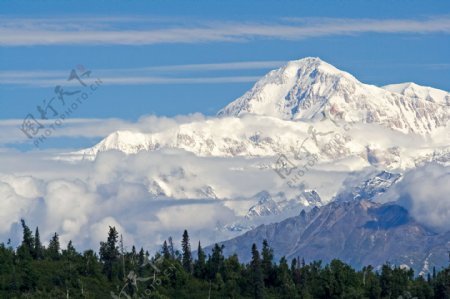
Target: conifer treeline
34 271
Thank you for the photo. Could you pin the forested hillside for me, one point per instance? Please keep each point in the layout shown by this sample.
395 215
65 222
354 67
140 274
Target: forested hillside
35 271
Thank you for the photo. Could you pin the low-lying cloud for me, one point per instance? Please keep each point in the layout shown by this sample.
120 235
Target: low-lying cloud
425 192
80 201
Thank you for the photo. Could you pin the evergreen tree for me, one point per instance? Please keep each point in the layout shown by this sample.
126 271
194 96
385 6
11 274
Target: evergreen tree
371 283
293 264
72 275
257 283
231 274
70 253
171 248
90 265
38 248
54 248
200 263
186 253
133 259
69 256
109 253
25 253
27 247
165 250
141 262
215 262
442 284
267 263
284 280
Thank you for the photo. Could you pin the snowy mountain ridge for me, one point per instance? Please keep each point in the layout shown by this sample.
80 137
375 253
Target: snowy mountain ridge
276 116
311 89
305 109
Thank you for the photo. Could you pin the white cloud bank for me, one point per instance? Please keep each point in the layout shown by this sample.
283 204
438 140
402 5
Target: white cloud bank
80 201
425 192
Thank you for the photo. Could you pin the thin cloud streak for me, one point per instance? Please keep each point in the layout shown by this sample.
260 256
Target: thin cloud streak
58 33
141 75
240 65
133 80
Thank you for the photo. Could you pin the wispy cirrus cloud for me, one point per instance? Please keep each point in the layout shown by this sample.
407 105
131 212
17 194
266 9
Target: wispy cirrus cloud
147 31
135 80
149 75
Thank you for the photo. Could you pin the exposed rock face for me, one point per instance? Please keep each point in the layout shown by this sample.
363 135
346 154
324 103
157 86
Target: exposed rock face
357 232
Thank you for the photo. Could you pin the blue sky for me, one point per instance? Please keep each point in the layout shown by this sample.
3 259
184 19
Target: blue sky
172 58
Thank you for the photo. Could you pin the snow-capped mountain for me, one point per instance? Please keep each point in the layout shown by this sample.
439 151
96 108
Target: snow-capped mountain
271 208
310 88
309 116
267 206
371 188
285 103
415 91
360 146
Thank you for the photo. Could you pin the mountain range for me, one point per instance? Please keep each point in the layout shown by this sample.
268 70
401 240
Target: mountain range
310 88
319 148
289 99
357 232
305 109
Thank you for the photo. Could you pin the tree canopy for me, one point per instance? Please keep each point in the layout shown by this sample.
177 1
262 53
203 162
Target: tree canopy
33 270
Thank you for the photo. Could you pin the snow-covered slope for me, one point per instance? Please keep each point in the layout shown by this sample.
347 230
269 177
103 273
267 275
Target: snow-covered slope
268 206
286 107
415 91
369 189
311 89
249 136
302 130
306 109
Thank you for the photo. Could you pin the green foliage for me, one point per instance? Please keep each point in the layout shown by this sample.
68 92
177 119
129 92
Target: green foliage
38 250
257 283
186 255
200 263
215 261
109 254
53 250
33 271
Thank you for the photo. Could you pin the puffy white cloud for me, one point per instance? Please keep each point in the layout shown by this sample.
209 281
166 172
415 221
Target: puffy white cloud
80 201
12 207
100 229
425 192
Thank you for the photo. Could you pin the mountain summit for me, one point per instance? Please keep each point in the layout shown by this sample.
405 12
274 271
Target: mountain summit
277 115
311 89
